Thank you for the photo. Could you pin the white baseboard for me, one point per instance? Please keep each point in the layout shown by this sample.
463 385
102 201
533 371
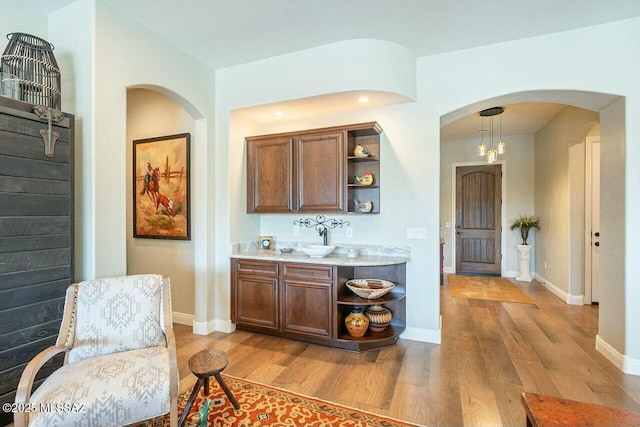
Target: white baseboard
448 270
569 299
613 355
510 274
226 326
205 328
424 335
630 365
182 318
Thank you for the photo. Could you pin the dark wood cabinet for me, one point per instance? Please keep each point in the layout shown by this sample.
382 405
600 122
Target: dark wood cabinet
313 301
320 160
270 175
256 297
36 239
307 299
258 301
313 170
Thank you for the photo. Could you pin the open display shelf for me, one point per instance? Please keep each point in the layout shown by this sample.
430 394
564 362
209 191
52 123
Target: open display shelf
368 137
395 301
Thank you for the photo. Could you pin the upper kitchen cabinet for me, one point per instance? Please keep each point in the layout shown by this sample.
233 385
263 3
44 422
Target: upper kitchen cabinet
313 170
270 174
320 177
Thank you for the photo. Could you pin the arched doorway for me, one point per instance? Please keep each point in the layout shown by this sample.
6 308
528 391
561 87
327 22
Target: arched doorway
571 285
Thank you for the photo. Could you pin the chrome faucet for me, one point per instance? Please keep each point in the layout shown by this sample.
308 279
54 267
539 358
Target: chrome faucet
324 233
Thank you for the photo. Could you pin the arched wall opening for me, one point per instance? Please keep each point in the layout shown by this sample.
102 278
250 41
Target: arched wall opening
570 211
155 112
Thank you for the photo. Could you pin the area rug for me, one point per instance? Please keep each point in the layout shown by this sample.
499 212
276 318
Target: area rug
262 405
486 287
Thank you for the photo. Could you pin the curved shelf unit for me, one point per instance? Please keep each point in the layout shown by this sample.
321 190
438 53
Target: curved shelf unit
355 300
395 301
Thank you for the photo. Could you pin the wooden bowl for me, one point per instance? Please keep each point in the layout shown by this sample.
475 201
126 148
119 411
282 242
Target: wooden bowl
370 288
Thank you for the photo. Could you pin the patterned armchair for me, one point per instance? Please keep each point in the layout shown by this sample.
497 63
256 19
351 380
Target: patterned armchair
120 358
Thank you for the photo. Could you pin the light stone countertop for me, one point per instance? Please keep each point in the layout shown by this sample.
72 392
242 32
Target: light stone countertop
369 255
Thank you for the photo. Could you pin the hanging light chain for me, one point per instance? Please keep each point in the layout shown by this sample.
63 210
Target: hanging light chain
492 152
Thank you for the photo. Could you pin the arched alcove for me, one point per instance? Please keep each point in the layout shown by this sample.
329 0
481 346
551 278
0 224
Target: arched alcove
153 111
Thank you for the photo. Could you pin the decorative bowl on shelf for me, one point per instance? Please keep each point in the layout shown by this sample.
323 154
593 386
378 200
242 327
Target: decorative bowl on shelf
286 250
317 251
370 288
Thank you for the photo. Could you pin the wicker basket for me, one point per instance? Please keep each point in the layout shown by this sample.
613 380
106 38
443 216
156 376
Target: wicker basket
370 288
31 63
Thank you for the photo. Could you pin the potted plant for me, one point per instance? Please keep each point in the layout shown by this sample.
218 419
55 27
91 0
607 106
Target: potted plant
525 223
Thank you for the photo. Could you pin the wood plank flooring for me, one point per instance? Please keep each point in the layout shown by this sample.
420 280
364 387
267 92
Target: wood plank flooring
490 353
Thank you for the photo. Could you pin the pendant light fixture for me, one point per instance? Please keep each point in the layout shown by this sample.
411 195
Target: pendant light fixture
491 152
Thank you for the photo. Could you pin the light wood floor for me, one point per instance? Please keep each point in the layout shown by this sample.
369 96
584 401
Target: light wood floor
490 353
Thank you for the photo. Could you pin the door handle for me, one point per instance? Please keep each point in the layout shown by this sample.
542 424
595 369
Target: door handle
597 243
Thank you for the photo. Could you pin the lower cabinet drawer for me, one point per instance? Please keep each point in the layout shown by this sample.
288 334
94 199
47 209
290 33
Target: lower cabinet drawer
256 267
308 271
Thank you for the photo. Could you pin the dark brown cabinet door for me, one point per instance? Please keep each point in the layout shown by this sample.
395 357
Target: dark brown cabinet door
478 219
307 308
270 175
321 172
257 301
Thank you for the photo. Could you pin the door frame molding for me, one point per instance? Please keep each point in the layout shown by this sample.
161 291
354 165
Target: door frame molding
503 209
588 159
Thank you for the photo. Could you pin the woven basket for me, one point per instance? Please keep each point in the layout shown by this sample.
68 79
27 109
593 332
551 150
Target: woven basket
33 67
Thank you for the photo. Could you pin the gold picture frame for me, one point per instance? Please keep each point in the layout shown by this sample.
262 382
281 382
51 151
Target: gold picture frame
161 193
265 243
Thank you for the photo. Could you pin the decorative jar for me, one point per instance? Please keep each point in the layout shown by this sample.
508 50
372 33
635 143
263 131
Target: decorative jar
379 317
357 323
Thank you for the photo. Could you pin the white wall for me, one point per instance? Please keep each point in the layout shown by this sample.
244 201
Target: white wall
517 195
19 17
72 31
553 194
618 309
151 114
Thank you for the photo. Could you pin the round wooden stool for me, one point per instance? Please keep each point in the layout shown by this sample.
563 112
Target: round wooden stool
204 364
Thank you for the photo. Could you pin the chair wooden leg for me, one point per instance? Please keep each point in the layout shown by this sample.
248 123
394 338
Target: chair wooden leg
196 388
206 386
228 392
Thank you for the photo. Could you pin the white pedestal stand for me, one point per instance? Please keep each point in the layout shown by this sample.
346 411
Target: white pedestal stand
524 257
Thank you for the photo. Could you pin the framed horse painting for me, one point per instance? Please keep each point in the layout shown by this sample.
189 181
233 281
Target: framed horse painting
161 197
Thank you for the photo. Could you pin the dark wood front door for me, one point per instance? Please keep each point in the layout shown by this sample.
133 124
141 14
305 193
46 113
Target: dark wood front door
478 219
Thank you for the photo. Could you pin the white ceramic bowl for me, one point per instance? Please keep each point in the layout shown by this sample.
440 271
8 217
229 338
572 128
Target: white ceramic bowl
370 288
317 251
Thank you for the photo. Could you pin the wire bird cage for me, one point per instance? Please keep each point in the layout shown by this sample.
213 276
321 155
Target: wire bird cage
28 64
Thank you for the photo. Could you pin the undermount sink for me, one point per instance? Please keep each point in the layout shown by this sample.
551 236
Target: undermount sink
317 251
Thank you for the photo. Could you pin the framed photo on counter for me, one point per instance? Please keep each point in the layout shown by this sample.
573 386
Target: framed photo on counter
265 243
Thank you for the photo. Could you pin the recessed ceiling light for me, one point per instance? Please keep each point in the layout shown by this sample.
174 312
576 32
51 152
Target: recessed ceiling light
363 99
279 113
